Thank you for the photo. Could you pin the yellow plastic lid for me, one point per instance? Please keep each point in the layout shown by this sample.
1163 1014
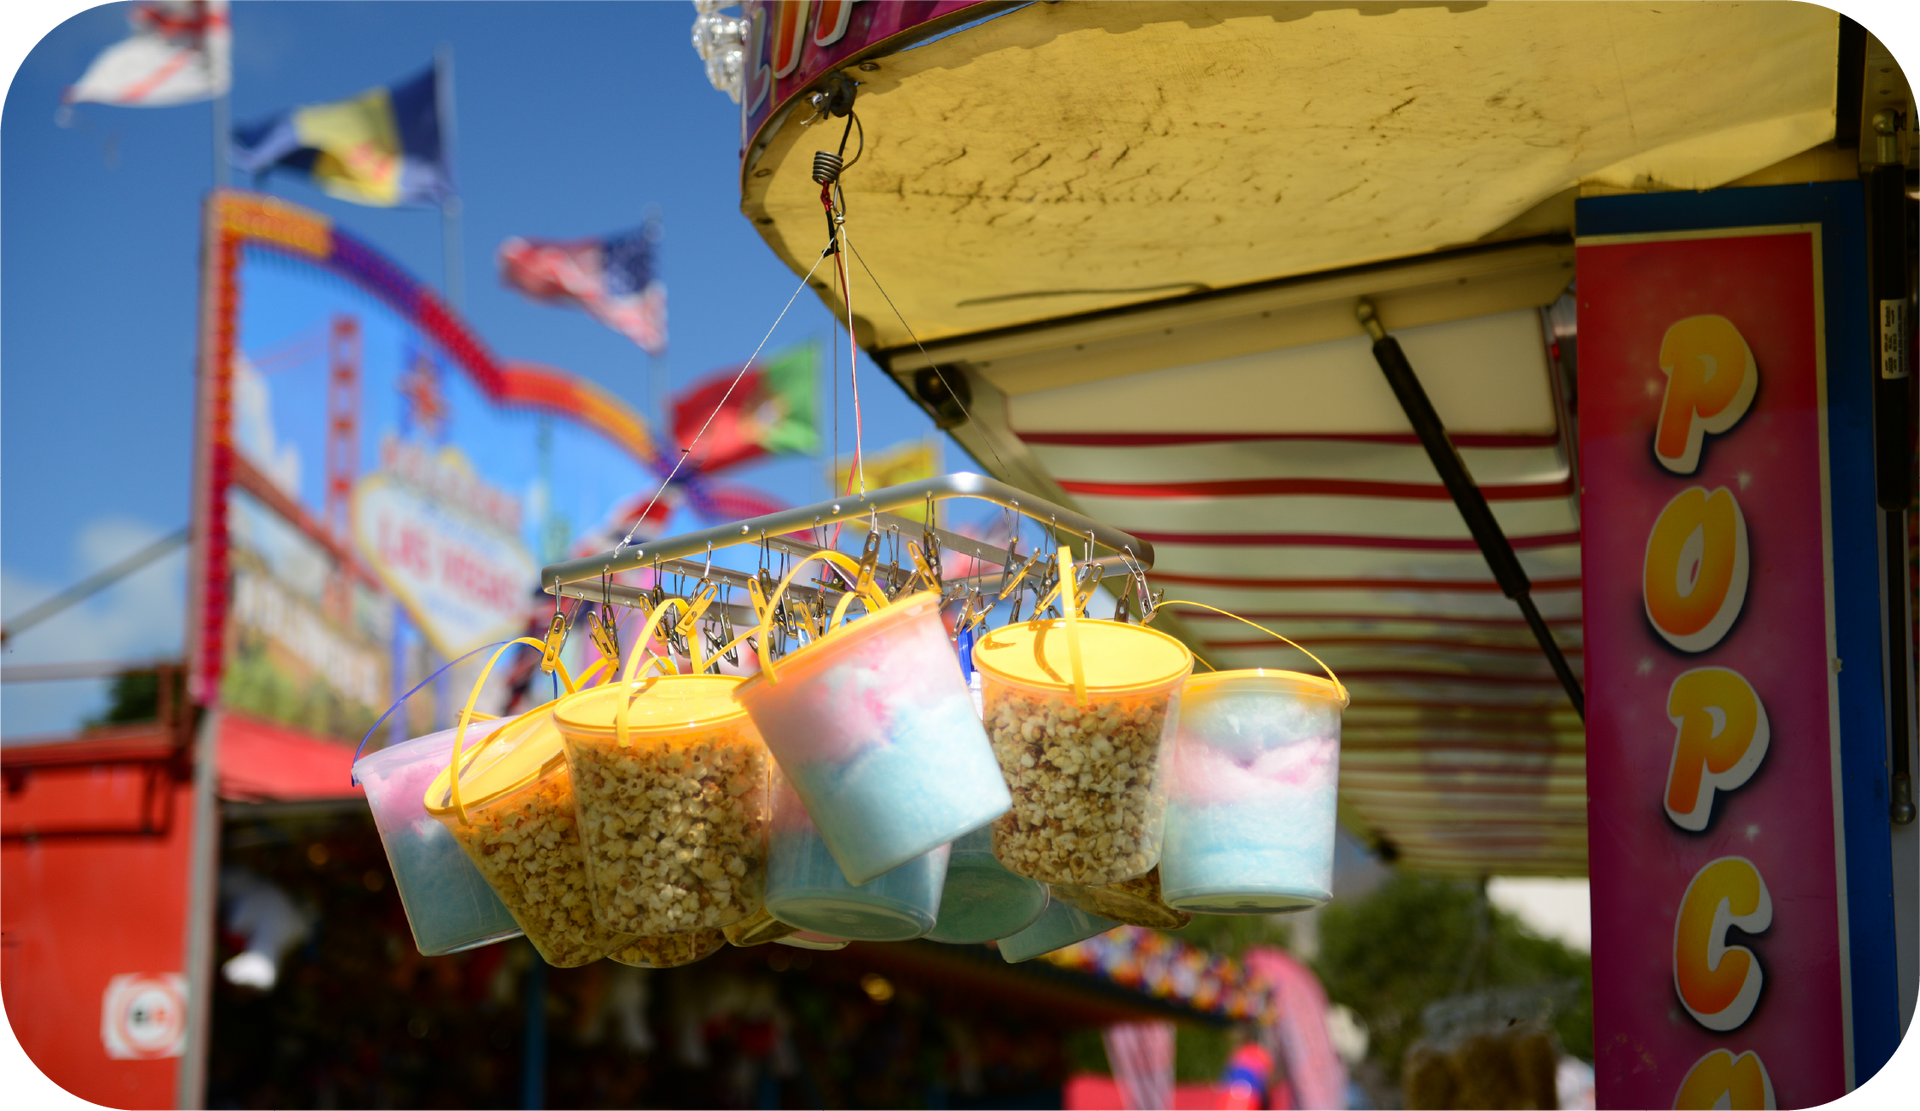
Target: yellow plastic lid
838 641
517 753
1114 655
659 704
1293 682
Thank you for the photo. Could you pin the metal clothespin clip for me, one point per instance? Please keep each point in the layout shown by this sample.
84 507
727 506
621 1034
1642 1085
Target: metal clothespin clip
1120 611
556 636
923 569
1018 576
1088 581
869 559
606 635
703 595
930 543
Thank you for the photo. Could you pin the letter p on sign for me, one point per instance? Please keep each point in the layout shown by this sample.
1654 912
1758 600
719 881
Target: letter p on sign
1711 379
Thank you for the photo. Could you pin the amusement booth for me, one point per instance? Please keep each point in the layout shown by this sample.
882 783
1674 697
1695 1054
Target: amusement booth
1296 503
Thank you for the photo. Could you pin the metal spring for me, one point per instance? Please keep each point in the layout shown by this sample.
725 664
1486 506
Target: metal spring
826 167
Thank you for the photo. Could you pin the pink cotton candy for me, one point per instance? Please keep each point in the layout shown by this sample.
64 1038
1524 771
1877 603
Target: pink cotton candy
1204 775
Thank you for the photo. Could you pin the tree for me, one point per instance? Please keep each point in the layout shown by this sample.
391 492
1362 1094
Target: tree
1419 939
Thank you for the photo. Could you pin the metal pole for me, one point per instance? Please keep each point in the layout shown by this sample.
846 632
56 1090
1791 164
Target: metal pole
222 134
533 1077
453 281
1893 436
203 889
1466 495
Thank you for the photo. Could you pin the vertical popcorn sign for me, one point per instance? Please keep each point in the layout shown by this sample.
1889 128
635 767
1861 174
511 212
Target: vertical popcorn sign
1719 932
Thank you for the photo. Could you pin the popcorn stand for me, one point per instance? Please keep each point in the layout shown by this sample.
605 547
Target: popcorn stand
1314 507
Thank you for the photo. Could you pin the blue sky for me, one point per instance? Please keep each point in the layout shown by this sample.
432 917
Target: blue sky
573 118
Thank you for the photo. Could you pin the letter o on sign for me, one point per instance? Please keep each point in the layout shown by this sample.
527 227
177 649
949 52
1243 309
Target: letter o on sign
1695 577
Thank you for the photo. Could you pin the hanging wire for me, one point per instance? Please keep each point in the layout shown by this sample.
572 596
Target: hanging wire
951 392
731 386
355 779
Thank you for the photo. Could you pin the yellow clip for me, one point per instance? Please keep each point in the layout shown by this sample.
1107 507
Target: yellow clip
702 598
556 636
606 636
926 573
1019 576
869 558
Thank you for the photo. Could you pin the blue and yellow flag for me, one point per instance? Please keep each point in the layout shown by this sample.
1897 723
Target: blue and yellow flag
382 147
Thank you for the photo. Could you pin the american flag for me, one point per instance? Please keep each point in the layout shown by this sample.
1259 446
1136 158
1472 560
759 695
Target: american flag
612 277
177 53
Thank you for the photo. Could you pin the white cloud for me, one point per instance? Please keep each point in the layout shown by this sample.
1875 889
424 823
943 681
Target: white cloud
1556 908
253 428
140 617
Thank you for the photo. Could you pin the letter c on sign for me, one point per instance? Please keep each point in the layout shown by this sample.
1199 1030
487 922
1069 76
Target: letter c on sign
1695 578
1720 737
1720 983
1722 1080
1710 383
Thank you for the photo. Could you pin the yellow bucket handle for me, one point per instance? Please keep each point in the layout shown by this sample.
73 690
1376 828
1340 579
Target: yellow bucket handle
1337 685
635 669
875 600
1072 610
467 716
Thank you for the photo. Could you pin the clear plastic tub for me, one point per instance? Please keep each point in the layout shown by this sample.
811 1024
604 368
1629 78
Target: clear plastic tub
1059 926
674 813
1085 766
807 939
448 903
806 889
515 820
981 900
874 726
1134 902
1250 817
670 951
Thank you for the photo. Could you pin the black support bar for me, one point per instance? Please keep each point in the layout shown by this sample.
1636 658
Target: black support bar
1467 496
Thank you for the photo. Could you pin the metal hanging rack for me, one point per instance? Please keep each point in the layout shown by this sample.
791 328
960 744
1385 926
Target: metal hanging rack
1114 552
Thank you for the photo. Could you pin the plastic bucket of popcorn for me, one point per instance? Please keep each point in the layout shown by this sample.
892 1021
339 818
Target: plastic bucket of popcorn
511 809
807 890
449 905
982 901
1250 814
670 951
1080 714
1059 926
670 784
874 726
1134 902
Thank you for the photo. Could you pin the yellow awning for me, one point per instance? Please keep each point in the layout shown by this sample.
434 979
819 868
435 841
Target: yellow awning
1065 158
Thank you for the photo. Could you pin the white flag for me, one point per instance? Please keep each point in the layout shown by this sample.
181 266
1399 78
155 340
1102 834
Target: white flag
178 53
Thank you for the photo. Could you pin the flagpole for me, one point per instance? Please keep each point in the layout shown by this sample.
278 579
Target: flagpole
221 136
452 281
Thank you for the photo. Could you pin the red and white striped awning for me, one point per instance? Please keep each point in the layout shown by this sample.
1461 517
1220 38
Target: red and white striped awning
1285 485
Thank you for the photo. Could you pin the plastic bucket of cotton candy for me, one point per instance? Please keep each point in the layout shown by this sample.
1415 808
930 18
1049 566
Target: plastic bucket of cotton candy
449 905
1250 809
874 727
806 889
